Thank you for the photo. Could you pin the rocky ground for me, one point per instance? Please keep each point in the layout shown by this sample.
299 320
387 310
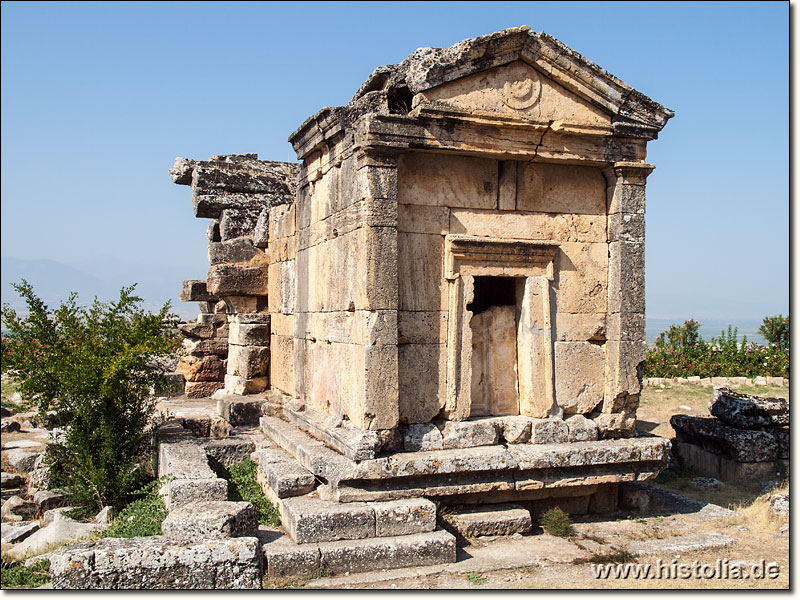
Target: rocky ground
741 543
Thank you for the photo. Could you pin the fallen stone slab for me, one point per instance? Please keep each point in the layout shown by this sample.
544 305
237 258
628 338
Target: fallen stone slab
746 411
714 463
55 514
16 509
48 499
60 531
22 461
10 480
284 476
643 498
12 533
742 445
489 519
9 426
682 543
211 520
158 563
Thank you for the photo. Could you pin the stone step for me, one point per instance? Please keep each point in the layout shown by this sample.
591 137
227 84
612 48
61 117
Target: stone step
239 410
308 519
281 476
194 480
488 519
284 558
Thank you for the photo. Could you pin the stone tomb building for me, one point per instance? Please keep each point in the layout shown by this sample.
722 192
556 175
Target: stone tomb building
445 297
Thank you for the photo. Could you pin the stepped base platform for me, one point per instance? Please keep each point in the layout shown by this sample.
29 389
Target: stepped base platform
472 475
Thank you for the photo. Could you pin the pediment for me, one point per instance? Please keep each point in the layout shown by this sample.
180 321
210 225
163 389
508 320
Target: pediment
516 89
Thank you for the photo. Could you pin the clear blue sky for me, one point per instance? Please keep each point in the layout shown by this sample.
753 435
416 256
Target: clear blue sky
99 98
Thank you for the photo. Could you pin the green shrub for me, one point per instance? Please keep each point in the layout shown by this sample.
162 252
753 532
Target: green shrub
18 575
143 516
681 352
556 522
91 365
776 331
243 486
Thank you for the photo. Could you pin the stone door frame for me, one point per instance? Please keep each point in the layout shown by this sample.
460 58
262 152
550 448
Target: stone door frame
466 257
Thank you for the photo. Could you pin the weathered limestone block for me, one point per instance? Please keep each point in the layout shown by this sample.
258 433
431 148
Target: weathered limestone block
627 327
548 431
237 250
357 556
443 180
581 429
17 532
255 334
490 519
242 386
179 492
211 520
284 476
748 412
422 372
249 362
626 227
742 445
202 389
567 189
229 280
580 327
218 346
239 411
158 563
261 229
313 520
197 330
230 450
194 290
469 434
423 436
624 361
516 430
582 282
626 277
528 226
579 375
206 368
236 223
404 517
183 460
615 425
414 218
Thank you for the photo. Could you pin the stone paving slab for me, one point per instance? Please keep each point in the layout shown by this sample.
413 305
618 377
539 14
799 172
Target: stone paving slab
682 543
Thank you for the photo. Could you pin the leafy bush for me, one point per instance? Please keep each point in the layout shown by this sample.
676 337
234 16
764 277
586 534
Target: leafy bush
141 517
682 352
776 331
18 575
556 522
91 365
243 486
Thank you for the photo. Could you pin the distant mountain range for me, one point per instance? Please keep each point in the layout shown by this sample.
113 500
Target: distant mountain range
53 281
